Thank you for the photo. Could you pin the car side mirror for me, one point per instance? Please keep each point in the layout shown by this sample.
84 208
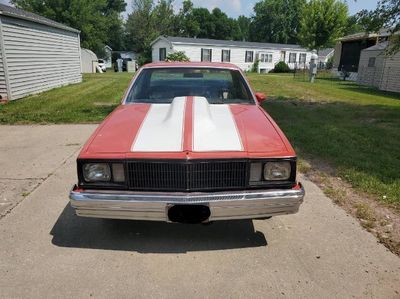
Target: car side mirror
261 97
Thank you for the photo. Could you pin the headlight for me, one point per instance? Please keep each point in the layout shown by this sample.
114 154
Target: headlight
277 171
96 172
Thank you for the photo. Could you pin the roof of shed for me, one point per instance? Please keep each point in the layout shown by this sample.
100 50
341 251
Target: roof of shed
26 15
378 47
88 51
215 42
365 35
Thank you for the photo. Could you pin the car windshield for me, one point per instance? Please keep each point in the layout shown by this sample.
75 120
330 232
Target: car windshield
101 61
162 85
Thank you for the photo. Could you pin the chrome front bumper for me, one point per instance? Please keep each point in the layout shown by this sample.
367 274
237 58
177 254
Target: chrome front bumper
249 204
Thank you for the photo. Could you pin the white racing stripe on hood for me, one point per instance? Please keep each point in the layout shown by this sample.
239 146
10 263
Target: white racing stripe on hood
214 128
162 129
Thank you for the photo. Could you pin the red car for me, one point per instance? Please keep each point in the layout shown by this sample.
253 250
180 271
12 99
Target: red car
189 144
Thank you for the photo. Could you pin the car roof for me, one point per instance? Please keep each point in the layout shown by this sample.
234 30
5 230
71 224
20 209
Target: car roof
192 64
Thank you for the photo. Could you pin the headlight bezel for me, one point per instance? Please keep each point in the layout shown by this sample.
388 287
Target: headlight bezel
110 184
291 181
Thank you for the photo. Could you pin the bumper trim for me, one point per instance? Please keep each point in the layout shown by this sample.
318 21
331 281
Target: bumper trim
247 204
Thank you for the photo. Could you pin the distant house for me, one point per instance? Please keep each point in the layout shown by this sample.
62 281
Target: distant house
324 55
378 69
243 54
348 50
127 54
89 61
108 56
36 54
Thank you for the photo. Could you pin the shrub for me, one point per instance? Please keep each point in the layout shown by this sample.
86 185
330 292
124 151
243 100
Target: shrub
177 56
254 68
281 67
144 57
329 63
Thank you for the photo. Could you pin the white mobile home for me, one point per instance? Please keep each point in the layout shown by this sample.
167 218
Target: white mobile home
243 54
36 54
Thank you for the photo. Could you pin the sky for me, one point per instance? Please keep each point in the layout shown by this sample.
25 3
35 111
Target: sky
235 8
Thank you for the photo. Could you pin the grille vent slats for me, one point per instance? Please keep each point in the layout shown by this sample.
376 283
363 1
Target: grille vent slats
186 176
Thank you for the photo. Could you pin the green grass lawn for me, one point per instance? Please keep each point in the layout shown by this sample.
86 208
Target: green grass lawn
89 101
355 129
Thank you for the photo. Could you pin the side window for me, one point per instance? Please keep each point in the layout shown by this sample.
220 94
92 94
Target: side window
226 56
302 58
266 58
371 62
206 55
162 54
292 57
249 56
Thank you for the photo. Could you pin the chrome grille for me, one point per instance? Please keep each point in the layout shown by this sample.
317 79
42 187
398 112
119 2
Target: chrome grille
186 175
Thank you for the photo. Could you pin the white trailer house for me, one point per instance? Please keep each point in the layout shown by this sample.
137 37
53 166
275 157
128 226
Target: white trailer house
36 54
243 54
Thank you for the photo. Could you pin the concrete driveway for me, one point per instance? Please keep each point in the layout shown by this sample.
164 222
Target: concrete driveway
46 251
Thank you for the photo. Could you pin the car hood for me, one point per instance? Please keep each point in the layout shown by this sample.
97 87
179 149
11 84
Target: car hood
189 127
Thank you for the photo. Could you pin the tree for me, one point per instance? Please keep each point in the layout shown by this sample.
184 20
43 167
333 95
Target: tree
244 26
386 15
185 23
146 23
116 29
322 22
206 22
98 20
164 18
140 29
353 25
236 32
276 21
199 22
223 26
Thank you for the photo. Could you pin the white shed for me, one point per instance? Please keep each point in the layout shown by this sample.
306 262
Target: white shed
36 54
89 61
379 69
243 54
